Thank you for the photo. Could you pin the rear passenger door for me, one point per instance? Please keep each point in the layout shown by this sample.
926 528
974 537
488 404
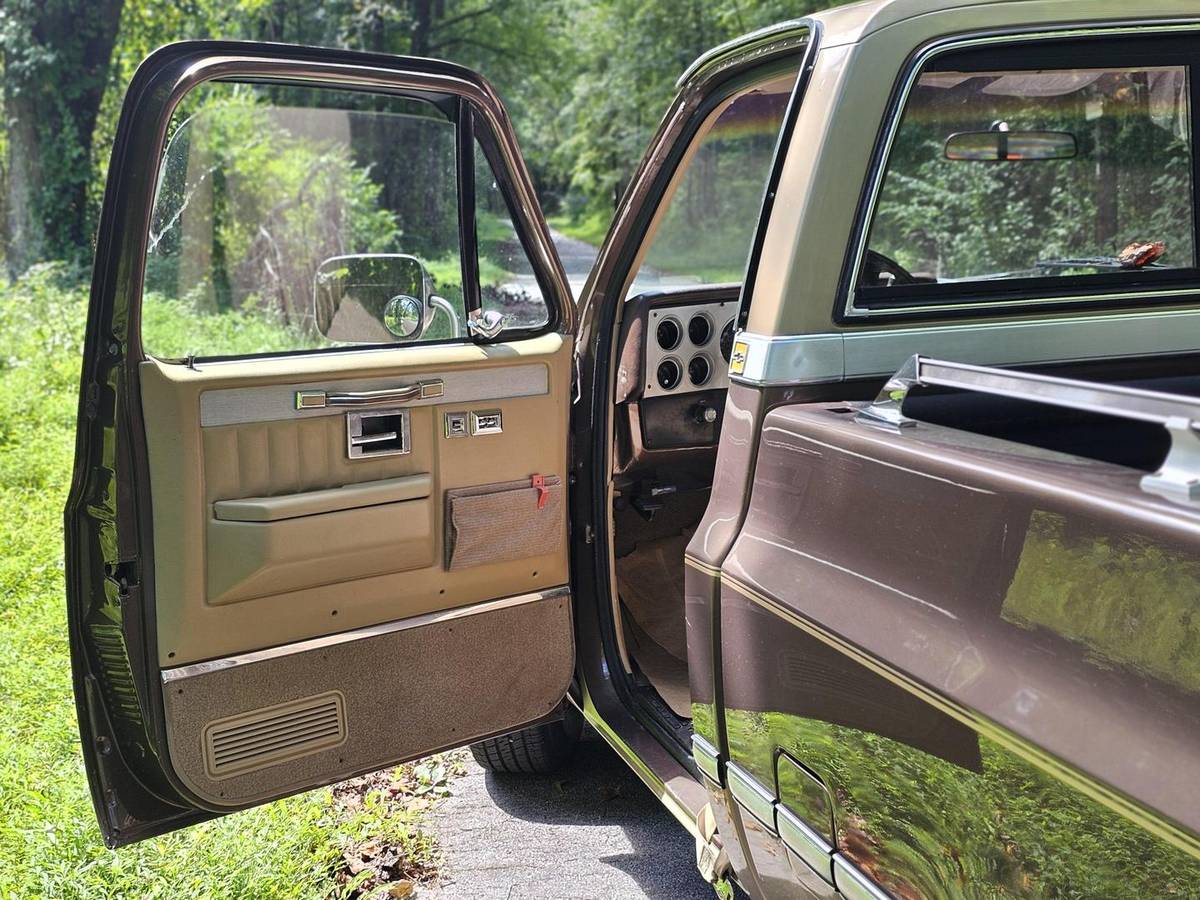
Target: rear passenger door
954 640
318 518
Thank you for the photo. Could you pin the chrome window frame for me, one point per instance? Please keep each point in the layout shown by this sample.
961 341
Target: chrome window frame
882 154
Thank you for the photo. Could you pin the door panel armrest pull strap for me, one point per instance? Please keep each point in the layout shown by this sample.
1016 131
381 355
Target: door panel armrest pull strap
309 503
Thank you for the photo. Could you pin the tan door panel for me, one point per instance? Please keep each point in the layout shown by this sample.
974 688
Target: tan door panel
340 543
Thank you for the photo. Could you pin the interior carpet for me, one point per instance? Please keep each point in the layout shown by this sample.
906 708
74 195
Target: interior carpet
650 580
667 673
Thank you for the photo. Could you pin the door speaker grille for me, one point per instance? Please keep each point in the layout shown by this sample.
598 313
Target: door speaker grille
274 734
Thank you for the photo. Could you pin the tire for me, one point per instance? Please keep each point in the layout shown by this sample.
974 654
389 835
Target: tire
537 750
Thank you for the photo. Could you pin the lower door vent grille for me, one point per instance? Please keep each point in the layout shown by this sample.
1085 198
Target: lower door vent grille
274 734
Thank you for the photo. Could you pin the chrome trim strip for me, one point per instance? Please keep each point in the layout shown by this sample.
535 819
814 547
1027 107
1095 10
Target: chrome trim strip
751 796
795 29
804 842
242 659
269 403
791 359
811 358
895 112
708 760
853 884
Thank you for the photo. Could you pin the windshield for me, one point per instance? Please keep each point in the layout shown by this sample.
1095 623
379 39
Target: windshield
703 233
1001 175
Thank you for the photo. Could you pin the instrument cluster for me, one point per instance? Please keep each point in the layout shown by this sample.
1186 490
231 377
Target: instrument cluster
688 348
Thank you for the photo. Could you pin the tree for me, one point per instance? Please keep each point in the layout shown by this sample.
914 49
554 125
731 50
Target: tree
56 57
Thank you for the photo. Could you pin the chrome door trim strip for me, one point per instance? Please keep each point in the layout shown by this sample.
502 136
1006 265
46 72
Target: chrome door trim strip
787 360
708 760
771 36
253 656
273 402
895 112
816 852
751 796
853 884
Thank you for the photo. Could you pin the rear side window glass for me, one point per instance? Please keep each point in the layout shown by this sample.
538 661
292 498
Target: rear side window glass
999 179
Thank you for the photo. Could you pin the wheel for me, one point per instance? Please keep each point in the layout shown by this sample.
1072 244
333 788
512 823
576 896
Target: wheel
536 750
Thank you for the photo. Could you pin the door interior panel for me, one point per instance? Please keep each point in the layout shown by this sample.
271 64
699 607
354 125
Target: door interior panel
267 532
309 626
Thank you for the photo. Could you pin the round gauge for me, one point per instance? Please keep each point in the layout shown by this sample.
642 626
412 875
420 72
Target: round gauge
669 374
727 340
669 333
699 370
700 329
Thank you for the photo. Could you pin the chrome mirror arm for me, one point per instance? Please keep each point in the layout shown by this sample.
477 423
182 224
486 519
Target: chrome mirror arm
486 323
441 304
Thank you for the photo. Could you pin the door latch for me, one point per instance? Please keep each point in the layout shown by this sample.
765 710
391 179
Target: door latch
383 432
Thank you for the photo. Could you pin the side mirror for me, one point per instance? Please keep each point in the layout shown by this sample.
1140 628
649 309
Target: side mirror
376 298
1011 146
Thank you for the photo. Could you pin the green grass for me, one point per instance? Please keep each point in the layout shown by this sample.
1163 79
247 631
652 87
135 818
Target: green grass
50 844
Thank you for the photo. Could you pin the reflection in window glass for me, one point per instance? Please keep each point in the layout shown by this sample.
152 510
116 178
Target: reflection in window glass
1048 173
705 234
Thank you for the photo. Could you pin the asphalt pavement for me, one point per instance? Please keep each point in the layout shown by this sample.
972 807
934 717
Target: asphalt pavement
591 831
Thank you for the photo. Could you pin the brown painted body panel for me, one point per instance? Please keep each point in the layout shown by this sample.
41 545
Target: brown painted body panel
984 649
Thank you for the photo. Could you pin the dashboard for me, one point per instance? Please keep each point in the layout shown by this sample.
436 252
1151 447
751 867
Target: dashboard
672 377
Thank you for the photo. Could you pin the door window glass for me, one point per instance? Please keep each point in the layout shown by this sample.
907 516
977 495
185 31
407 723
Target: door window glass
704 233
291 218
1000 176
506 279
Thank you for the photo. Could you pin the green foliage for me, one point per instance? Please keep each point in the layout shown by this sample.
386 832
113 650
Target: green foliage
1130 600
629 55
49 843
248 209
1130 181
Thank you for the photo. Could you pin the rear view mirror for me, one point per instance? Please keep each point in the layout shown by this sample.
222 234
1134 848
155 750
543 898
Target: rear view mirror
1011 146
375 298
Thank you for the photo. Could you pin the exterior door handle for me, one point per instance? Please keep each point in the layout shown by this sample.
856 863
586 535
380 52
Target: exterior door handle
422 390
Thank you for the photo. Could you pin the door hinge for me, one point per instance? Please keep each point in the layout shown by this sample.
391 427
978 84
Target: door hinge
711 858
589 536
91 400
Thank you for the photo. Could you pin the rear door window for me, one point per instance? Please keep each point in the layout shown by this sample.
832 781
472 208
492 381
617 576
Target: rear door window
1037 184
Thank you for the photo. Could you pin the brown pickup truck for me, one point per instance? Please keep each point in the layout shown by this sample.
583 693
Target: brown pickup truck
856 503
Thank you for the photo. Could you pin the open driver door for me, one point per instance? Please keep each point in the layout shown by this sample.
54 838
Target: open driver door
318 518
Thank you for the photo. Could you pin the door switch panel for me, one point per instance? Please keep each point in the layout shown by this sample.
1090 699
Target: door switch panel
382 432
486 421
456 425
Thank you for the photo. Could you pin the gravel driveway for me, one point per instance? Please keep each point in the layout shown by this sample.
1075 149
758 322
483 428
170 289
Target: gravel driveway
592 831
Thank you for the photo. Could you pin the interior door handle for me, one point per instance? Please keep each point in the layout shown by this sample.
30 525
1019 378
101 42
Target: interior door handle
422 390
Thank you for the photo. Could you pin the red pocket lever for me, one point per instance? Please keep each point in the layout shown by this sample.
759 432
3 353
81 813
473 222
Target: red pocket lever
539 483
